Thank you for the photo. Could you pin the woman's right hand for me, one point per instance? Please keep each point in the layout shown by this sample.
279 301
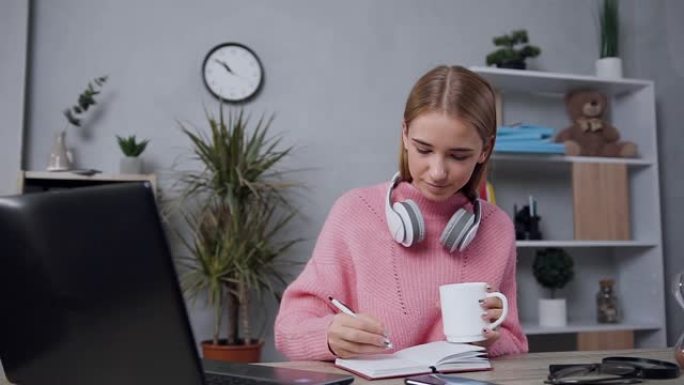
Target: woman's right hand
353 336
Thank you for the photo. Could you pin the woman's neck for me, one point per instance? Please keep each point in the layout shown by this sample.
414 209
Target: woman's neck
428 207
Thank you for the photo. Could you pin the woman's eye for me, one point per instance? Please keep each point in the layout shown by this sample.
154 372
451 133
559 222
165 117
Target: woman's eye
459 157
422 151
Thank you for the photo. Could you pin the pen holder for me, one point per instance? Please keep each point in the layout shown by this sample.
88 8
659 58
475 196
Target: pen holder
526 226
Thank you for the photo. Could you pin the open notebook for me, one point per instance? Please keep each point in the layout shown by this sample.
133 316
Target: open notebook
443 356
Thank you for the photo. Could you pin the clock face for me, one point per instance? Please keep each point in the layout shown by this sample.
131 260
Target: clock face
232 72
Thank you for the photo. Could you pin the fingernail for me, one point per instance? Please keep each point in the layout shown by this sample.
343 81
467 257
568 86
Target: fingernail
481 301
388 344
489 288
484 331
484 315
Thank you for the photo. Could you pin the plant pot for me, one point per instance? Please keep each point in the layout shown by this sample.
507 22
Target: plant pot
515 64
130 165
609 68
59 155
232 353
552 312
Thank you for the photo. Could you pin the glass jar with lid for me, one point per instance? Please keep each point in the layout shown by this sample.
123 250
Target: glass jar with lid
607 308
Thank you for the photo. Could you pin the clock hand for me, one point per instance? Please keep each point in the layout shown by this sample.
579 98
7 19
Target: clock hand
230 71
225 66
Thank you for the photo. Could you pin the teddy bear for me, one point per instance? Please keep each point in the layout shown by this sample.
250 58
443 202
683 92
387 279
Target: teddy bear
590 134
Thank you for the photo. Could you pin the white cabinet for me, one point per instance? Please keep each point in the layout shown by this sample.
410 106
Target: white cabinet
635 264
37 181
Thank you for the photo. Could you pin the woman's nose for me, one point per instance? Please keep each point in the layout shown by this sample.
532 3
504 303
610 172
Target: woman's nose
437 170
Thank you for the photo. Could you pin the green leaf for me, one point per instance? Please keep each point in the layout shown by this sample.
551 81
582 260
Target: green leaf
130 146
553 268
609 25
512 48
85 100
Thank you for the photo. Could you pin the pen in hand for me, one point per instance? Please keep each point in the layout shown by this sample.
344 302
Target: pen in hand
346 310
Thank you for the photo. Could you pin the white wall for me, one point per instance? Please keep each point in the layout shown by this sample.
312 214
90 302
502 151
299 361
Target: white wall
13 44
337 74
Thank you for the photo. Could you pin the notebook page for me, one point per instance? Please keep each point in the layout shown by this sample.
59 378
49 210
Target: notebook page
380 364
433 353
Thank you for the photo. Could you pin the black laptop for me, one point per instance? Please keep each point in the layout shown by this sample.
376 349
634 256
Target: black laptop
89 296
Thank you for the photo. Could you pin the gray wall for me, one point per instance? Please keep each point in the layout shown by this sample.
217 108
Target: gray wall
13 46
656 53
337 74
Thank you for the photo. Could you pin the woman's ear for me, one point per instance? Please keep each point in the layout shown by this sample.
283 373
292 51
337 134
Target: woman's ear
404 134
486 150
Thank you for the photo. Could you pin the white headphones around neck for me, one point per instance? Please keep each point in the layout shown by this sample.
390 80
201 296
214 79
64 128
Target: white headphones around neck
407 226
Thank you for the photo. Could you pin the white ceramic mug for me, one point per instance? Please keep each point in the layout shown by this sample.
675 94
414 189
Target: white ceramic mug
462 312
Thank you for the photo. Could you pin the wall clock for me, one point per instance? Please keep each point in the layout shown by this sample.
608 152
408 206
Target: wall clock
232 72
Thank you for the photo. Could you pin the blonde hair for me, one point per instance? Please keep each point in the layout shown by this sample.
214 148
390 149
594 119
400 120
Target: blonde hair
461 94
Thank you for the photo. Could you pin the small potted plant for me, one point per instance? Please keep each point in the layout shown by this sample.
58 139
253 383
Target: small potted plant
609 64
60 157
131 163
235 206
513 52
553 268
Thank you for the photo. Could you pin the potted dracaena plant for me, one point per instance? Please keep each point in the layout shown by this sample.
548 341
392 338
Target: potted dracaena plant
553 268
239 207
131 163
60 157
609 64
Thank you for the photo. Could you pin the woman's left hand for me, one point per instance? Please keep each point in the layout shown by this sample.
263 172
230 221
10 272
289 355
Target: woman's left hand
492 308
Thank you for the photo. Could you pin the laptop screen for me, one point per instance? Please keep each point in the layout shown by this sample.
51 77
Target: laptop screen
88 291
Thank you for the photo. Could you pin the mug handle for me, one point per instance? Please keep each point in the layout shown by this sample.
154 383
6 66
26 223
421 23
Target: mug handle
504 310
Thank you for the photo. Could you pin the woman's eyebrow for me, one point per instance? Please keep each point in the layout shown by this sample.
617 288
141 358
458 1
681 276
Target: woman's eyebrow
457 149
418 141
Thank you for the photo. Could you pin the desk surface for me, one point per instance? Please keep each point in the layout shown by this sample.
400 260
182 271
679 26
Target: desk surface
523 369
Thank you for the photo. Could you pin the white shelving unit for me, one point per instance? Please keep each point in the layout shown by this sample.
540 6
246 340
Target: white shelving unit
635 264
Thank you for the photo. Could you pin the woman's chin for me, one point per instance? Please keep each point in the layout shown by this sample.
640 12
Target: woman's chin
436 195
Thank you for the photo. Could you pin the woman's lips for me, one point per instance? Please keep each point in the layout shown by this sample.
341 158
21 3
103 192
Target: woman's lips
436 187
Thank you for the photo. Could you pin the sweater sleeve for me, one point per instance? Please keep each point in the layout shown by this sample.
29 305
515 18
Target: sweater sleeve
302 323
512 339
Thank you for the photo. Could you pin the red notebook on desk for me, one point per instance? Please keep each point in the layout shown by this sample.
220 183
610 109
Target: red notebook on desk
444 357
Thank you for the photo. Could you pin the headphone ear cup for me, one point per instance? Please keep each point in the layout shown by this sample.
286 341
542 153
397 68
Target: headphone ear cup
417 219
469 236
457 230
414 226
395 225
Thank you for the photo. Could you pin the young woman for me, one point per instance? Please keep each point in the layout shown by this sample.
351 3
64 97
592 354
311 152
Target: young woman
378 265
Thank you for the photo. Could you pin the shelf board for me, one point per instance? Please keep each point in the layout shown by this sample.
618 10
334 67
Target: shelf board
528 158
555 83
587 326
574 243
34 181
65 175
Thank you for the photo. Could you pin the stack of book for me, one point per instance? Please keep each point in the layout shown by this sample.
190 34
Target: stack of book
527 138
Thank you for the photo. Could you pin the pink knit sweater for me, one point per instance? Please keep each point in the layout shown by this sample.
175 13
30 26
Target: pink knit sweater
357 261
